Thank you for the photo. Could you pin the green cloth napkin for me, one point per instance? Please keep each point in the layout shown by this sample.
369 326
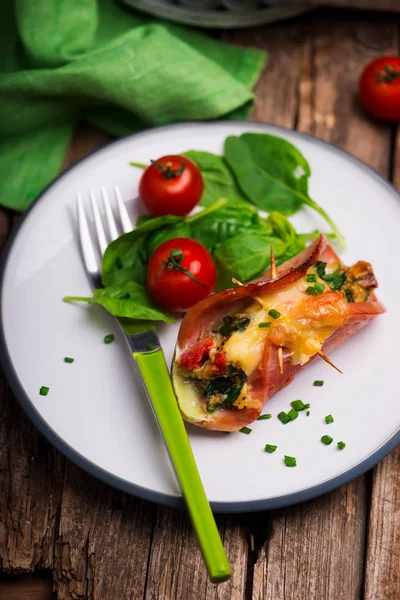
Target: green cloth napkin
65 60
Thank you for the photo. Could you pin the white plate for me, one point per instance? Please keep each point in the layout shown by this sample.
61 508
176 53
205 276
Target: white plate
96 412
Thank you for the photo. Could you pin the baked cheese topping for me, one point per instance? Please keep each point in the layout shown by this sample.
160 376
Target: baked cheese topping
305 322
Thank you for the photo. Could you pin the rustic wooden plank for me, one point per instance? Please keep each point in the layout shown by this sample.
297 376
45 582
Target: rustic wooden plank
31 471
277 89
176 568
31 587
103 541
363 4
382 571
316 550
30 490
86 139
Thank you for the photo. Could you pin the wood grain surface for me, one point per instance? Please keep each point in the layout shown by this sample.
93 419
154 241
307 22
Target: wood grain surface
100 544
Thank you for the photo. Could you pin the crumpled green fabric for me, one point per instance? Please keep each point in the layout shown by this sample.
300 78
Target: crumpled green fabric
66 60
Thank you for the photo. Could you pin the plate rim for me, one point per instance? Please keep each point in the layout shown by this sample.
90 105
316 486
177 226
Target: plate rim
129 487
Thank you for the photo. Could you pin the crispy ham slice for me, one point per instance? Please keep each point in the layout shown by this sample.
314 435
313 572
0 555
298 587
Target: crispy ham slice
307 325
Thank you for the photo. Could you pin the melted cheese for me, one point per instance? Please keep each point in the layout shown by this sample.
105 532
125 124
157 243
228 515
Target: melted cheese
304 325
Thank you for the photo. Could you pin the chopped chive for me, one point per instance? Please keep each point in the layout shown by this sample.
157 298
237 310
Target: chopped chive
284 418
68 359
328 419
274 314
306 406
270 448
265 324
290 461
298 405
318 383
311 278
327 440
263 417
109 338
308 413
341 445
150 347
292 414
311 291
44 390
245 430
319 287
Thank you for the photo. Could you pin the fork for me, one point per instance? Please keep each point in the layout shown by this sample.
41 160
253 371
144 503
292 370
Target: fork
150 360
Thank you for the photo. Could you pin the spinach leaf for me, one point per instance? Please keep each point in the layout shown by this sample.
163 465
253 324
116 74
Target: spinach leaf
125 258
225 223
266 182
261 187
282 160
219 181
223 391
231 324
130 301
167 233
246 255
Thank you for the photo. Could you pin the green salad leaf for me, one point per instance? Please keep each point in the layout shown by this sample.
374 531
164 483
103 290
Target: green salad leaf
219 182
270 183
247 255
257 171
130 301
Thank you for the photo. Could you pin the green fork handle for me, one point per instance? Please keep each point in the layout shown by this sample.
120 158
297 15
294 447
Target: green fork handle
154 371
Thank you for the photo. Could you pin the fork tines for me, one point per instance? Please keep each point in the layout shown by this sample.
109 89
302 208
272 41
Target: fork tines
88 251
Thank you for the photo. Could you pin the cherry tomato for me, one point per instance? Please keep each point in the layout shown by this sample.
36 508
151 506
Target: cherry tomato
380 88
171 185
180 273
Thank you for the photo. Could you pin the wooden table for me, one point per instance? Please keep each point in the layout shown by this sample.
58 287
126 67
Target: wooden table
93 542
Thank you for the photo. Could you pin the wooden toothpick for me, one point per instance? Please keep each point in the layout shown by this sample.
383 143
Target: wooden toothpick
273 275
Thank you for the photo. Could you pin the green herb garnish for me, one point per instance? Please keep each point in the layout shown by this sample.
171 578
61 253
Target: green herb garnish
245 430
334 280
44 390
231 324
108 339
318 383
319 288
270 448
341 445
68 359
308 413
265 324
284 418
298 405
290 461
274 314
150 347
311 291
327 440
264 417
306 406
329 419
311 278
293 414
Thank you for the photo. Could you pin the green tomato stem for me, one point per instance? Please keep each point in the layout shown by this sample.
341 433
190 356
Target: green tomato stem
138 165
